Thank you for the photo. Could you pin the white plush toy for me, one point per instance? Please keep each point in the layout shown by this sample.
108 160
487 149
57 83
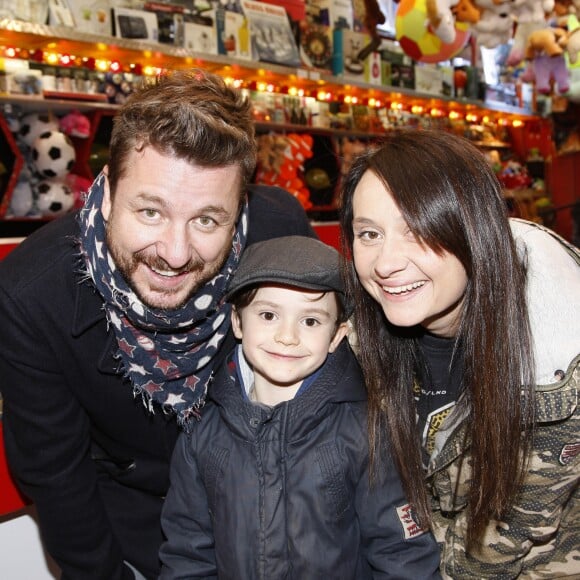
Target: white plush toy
53 198
53 154
495 25
33 124
53 157
22 200
443 14
531 10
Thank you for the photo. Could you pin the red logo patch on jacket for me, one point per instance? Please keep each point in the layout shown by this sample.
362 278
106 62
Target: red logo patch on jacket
410 527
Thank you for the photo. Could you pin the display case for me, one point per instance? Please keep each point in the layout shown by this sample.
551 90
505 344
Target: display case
65 46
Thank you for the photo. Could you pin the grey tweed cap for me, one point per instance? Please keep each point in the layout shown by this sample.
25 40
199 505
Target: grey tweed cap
296 261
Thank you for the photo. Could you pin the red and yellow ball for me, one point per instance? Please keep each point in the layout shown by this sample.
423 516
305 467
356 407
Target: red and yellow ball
418 41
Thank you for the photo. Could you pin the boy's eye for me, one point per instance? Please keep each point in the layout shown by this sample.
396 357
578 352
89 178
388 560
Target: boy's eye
267 315
311 322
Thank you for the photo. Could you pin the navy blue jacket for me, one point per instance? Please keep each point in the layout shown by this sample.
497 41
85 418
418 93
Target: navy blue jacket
89 454
279 493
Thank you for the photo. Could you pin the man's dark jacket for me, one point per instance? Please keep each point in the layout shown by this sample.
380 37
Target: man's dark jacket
89 454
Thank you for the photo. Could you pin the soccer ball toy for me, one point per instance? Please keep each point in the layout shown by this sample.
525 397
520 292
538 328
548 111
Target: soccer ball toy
416 38
33 124
53 154
53 198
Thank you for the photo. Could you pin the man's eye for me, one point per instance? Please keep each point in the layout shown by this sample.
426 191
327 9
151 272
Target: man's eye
206 221
150 213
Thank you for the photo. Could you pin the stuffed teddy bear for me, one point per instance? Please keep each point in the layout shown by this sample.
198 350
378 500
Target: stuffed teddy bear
545 48
495 24
524 11
518 50
547 41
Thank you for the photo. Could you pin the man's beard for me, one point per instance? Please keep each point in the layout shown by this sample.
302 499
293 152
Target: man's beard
127 265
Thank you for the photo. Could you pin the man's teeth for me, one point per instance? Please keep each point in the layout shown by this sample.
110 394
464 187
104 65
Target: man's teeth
401 289
168 273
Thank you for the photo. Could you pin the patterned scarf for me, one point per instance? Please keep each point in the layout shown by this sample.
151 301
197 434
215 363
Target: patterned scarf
165 354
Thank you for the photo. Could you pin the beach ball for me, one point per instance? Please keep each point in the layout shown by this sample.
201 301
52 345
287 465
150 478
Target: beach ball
416 39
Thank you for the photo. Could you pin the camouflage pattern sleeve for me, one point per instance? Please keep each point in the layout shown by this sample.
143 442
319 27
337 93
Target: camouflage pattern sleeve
540 536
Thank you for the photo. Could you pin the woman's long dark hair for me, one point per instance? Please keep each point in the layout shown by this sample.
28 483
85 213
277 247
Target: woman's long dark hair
451 199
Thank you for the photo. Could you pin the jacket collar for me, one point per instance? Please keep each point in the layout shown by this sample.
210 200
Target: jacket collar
88 312
340 380
88 308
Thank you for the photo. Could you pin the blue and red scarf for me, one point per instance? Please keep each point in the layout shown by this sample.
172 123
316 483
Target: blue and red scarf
166 354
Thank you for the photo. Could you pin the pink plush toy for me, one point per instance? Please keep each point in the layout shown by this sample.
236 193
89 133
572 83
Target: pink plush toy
75 124
547 68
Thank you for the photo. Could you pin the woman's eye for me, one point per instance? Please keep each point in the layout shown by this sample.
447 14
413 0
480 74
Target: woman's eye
367 235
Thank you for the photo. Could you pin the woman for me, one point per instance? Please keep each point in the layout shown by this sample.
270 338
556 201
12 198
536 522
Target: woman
467 325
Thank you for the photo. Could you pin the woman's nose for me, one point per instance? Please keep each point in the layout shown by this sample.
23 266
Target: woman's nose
390 258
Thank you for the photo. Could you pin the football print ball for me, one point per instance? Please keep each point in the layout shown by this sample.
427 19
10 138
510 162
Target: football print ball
53 198
53 154
416 38
33 124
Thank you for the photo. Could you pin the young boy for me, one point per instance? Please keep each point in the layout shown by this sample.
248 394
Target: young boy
273 482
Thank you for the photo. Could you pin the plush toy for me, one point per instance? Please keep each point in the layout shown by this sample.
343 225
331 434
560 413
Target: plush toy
52 158
281 162
514 175
524 11
33 124
545 48
22 200
520 40
54 198
75 124
53 154
548 68
546 41
573 43
79 186
495 24
442 15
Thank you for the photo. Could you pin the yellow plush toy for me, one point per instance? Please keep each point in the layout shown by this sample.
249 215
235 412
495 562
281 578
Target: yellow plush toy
546 41
545 49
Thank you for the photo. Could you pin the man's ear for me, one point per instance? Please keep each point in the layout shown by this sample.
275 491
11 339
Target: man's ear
236 323
338 336
107 202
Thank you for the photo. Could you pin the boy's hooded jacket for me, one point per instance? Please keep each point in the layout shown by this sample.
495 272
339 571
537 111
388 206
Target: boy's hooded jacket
282 492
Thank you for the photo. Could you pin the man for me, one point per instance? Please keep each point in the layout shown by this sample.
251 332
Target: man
112 320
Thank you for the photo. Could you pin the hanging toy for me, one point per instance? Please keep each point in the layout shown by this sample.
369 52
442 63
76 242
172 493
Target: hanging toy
545 48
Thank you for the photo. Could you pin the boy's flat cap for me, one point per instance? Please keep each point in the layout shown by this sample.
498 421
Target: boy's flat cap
296 261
